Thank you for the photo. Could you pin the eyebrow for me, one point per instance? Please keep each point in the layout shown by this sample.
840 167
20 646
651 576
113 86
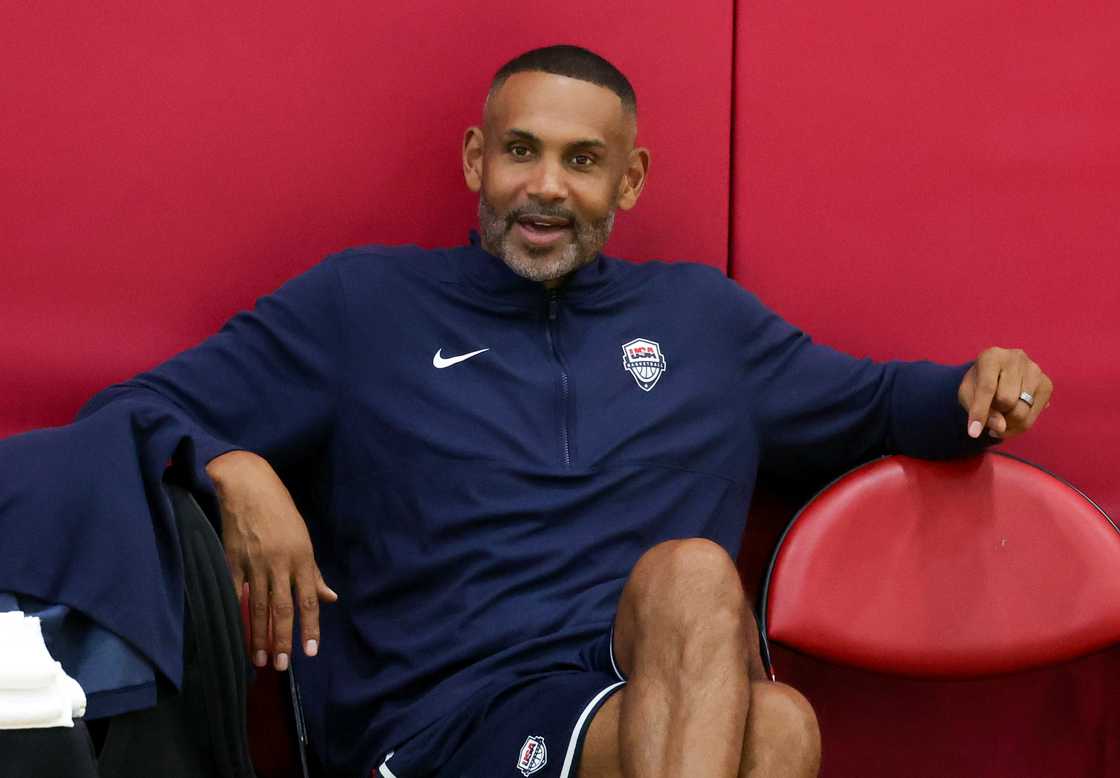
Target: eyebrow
581 143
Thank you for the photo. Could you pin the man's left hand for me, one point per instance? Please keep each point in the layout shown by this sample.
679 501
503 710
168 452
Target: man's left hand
1005 391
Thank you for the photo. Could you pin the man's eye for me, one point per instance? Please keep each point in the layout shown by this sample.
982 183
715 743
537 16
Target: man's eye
583 160
520 151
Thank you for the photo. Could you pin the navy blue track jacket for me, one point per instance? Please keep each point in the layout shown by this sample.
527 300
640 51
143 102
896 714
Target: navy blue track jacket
478 515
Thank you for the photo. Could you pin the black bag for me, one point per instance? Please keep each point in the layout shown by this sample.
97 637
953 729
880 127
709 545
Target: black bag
201 729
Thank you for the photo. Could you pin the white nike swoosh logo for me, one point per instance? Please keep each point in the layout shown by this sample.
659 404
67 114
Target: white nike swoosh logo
441 362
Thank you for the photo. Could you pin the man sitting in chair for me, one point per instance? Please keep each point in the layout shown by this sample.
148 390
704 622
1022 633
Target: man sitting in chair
525 467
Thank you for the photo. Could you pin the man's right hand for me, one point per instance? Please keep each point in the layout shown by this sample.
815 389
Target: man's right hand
267 547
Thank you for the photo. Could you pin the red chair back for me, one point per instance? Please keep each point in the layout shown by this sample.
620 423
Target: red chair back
947 569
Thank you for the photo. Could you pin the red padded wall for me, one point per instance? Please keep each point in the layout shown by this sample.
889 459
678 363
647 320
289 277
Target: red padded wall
165 163
924 180
927 179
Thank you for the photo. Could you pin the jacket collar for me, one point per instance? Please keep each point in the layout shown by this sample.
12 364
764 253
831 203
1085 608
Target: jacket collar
493 277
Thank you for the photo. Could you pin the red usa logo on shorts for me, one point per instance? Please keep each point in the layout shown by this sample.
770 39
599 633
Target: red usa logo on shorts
533 755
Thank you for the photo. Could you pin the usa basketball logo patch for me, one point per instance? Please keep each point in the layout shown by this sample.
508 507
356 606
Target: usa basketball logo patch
643 359
533 755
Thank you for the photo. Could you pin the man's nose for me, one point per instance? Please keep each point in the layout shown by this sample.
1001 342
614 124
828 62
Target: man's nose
548 184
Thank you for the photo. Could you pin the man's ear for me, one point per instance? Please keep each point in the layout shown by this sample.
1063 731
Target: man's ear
634 179
473 143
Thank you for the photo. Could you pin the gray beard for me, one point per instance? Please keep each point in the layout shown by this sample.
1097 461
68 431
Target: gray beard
588 240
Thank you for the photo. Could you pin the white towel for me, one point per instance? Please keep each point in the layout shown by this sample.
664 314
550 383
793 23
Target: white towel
25 662
34 689
39 708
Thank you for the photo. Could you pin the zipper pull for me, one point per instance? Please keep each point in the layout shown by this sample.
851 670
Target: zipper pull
553 305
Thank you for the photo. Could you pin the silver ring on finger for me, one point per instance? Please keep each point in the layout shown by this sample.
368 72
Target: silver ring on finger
1027 397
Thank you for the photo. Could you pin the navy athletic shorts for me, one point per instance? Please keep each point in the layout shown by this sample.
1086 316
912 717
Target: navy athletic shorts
532 728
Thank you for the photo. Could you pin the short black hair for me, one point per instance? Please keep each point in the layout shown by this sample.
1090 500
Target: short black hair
573 62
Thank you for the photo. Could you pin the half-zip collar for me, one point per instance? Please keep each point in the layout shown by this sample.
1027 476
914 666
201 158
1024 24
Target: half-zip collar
494 278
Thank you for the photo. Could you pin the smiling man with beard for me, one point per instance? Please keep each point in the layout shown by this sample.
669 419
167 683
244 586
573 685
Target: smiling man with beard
525 466
553 161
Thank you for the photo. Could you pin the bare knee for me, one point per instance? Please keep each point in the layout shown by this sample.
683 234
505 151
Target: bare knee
783 736
684 581
683 590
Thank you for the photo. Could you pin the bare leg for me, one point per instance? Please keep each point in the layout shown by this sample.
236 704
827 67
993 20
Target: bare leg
782 739
681 637
686 639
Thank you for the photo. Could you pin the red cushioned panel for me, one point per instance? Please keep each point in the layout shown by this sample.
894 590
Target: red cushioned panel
923 180
917 179
953 569
165 163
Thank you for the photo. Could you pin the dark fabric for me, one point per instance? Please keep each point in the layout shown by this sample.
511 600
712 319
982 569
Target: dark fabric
537 728
530 727
199 730
56 752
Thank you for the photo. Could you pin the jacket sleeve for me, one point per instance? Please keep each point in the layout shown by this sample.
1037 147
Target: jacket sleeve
823 412
267 382
84 521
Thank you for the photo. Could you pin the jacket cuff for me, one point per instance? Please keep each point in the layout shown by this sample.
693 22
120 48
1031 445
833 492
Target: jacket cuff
927 419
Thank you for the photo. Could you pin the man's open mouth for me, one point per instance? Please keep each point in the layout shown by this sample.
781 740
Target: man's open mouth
542 230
